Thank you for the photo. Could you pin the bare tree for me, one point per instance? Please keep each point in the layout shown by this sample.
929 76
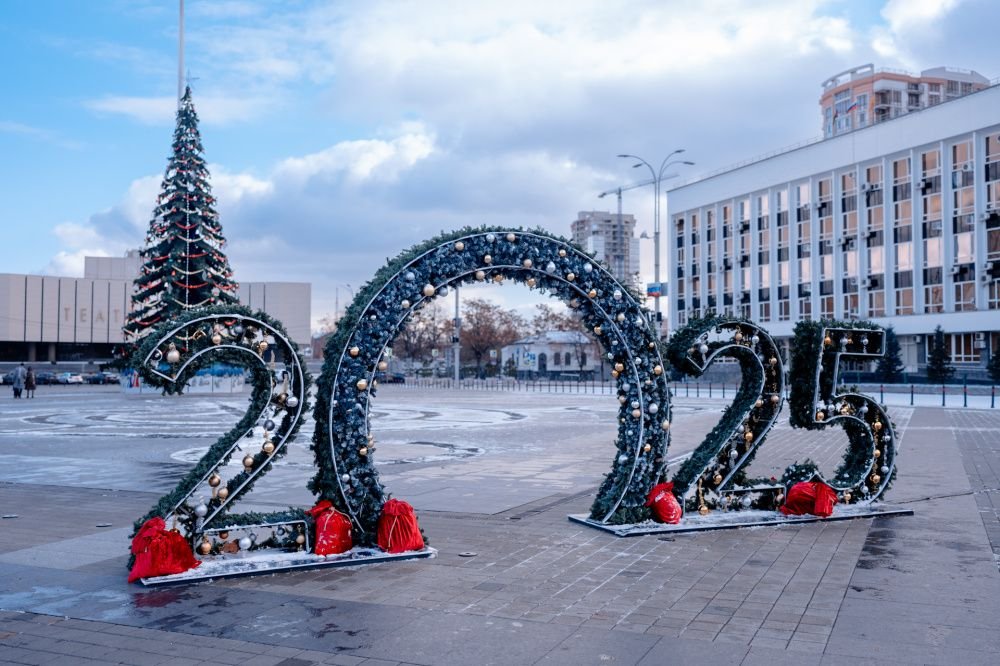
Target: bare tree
486 326
422 333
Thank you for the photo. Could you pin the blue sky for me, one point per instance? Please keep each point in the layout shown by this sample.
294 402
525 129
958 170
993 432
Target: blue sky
340 133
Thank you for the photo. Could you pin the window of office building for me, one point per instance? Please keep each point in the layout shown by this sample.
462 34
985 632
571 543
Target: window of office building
930 163
932 252
764 311
965 296
805 308
784 310
805 269
993 295
851 305
876 303
861 110
904 256
933 298
963 249
993 148
904 301
826 307
962 347
876 254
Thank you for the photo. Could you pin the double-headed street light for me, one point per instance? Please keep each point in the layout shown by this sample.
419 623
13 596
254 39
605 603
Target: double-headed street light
658 176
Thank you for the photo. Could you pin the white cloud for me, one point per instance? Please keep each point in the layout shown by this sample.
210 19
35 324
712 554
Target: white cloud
910 22
212 109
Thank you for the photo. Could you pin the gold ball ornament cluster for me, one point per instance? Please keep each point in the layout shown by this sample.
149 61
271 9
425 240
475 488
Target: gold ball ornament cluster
362 384
216 339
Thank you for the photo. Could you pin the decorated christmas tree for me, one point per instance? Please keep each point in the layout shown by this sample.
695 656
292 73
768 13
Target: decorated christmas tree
185 267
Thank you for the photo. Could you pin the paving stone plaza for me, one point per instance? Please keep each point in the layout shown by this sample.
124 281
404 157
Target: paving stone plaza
493 476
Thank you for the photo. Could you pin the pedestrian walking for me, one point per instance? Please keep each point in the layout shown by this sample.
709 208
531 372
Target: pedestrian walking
30 381
19 375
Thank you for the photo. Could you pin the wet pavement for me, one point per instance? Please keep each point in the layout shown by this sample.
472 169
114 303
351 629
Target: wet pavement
495 475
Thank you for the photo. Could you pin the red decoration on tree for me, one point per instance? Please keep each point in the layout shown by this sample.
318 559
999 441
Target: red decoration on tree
813 497
159 552
666 508
333 529
398 531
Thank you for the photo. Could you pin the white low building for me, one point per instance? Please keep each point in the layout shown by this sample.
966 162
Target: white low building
47 318
554 355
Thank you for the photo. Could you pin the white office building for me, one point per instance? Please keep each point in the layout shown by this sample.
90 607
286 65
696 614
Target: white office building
898 222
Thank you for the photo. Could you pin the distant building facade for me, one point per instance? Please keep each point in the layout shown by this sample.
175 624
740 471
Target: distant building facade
50 318
898 222
863 96
611 240
554 355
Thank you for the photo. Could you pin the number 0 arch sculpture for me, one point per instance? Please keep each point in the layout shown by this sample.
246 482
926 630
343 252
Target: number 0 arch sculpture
342 441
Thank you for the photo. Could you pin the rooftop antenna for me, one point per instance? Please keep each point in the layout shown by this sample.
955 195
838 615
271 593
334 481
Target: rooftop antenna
180 56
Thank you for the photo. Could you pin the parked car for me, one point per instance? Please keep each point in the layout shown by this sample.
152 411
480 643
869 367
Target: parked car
390 377
45 378
103 378
8 378
69 378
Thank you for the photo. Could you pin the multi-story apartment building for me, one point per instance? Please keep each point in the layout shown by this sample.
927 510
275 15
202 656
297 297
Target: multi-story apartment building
862 96
610 237
898 222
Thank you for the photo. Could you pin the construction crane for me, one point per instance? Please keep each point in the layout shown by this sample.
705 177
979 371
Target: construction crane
624 188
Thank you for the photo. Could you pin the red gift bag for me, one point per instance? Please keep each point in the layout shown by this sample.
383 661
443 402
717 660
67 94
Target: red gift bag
333 529
159 552
398 531
813 497
666 508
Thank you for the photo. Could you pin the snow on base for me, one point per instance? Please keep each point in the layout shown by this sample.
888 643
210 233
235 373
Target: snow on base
721 520
272 561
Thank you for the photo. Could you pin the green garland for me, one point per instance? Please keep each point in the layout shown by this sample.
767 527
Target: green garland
687 350
345 472
868 467
219 453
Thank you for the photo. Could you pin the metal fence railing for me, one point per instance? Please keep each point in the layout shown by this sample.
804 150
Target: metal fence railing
916 395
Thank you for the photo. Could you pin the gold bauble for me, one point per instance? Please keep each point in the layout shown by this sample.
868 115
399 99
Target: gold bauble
248 461
526 263
620 317
223 494
704 510
622 400
511 238
619 367
459 246
429 290
382 365
362 384
748 436
216 339
173 356
847 496
262 346
592 293
480 276
665 425
647 448
405 304
268 447
738 337
877 425
214 480
775 399
636 413
354 351
531 282
300 539
827 341
498 278
876 478
657 370
487 259
597 330
224 535
759 403
717 479
205 547
878 453
773 361
614 374
363 451
820 416
562 253
570 277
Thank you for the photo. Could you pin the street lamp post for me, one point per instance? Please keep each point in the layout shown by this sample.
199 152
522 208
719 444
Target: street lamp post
658 176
